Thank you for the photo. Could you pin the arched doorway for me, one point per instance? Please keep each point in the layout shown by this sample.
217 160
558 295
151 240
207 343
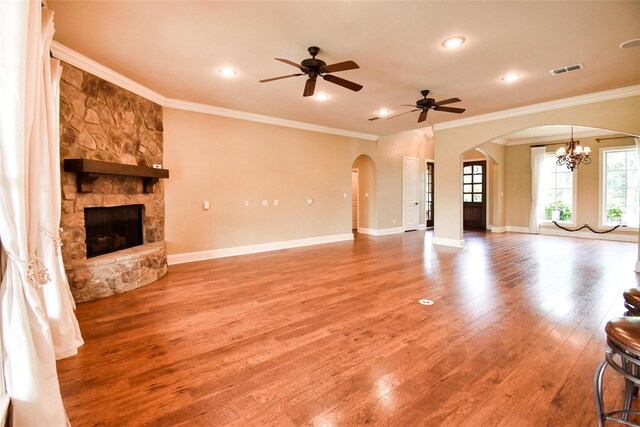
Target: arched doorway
452 140
363 193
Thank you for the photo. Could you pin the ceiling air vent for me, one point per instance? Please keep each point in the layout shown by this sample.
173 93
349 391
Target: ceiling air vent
563 70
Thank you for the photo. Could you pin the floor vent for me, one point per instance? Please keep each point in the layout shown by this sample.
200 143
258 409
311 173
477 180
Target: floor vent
563 70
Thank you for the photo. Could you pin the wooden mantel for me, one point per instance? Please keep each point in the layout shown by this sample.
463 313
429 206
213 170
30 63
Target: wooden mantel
87 171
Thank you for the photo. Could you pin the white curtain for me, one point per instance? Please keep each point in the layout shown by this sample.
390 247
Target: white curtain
56 295
537 161
25 127
637 269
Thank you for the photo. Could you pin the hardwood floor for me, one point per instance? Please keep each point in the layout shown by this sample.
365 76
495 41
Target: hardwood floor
333 335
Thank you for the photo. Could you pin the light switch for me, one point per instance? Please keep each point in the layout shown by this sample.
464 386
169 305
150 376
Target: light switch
275 202
265 203
344 195
309 201
205 205
246 203
366 194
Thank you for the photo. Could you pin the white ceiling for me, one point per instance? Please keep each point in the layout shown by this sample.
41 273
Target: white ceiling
176 48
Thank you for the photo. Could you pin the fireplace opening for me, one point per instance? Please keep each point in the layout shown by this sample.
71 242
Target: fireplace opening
112 229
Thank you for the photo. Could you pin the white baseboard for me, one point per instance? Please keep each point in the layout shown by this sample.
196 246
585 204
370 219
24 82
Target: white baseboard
381 231
441 241
254 249
422 227
618 237
500 229
363 230
516 229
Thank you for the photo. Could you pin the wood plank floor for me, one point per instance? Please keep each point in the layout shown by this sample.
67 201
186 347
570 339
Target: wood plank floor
333 335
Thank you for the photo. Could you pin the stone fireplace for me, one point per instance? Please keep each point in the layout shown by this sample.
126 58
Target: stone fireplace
101 122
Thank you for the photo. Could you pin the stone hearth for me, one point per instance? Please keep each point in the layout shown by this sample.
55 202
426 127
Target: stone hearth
101 121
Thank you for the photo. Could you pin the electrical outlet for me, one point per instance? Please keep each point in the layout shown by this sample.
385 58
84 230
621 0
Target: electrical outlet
246 203
265 203
275 202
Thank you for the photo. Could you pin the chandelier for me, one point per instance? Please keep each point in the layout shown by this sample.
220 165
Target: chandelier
573 154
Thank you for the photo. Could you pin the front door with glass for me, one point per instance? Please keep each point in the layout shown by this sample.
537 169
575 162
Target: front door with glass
474 194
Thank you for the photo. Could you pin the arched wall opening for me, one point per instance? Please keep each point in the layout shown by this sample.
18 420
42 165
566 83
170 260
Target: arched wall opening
493 155
618 115
363 194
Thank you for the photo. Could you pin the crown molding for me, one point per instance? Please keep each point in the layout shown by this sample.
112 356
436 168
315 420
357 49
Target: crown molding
76 59
242 115
544 106
559 139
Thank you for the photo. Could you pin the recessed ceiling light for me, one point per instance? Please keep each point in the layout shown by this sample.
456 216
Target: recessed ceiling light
511 77
453 42
321 96
383 112
227 72
630 43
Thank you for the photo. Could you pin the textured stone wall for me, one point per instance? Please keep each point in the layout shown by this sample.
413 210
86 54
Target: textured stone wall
101 121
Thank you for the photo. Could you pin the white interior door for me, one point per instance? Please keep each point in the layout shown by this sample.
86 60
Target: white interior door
354 199
410 174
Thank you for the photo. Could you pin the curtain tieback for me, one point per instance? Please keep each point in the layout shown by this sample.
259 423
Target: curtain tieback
37 273
57 243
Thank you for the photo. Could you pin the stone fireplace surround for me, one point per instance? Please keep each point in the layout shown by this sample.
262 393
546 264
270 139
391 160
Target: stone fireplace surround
101 121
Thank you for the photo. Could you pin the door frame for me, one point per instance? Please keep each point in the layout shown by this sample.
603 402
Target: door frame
357 172
486 189
404 204
426 161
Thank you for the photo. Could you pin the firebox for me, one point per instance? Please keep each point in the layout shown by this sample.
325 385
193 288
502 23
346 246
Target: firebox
112 229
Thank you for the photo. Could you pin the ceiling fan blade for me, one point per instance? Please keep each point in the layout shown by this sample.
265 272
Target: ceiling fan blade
402 114
342 82
286 61
423 115
447 101
281 77
409 105
449 109
340 66
373 118
309 87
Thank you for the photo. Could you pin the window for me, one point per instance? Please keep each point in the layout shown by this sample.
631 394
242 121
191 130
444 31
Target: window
556 192
472 183
620 192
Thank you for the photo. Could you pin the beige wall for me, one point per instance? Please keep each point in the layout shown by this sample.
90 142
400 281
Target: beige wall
391 149
587 182
618 115
227 161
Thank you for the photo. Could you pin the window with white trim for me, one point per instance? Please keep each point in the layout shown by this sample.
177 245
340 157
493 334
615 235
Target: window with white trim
620 199
556 192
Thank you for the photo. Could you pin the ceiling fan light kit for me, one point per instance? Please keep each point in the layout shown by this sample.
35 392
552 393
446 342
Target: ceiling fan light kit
314 68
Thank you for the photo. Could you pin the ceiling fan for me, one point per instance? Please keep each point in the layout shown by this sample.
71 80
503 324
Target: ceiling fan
425 104
313 68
